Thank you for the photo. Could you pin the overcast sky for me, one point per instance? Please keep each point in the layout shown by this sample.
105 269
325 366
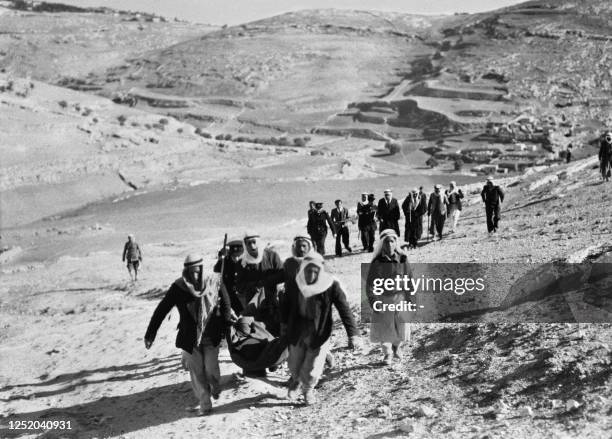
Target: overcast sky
242 11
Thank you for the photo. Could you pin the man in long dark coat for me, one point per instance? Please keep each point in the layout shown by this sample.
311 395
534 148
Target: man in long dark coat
388 212
410 207
421 211
364 209
319 221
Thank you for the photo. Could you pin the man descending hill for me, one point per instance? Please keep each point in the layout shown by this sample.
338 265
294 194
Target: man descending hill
366 231
410 207
204 311
605 156
133 255
493 196
454 196
340 219
436 209
320 220
388 212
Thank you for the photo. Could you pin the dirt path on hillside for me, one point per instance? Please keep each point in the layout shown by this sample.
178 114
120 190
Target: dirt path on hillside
71 347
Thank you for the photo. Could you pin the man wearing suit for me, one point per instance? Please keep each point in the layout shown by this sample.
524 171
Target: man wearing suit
340 219
388 212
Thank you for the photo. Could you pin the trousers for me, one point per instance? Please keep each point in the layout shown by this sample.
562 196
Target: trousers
492 217
203 366
306 364
342 235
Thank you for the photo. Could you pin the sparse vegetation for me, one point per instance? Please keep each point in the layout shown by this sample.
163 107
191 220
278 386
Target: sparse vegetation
63 104
121 119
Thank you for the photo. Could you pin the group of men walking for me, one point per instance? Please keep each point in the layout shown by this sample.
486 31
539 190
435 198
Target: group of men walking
442 207
264 324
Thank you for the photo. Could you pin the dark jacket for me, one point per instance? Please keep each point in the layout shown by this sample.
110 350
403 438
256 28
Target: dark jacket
339 218
187 326
230 276
317 223
310 223
131 252
388 212
492 195
437 204
324 301
605 151
414 208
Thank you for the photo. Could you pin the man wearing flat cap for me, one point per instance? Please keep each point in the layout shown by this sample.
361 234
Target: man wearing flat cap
388 212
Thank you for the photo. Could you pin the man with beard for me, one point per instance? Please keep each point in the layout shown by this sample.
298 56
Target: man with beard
493 196
340 218
605 156
320 221
204 310
388 212
233 253
410 207
437 209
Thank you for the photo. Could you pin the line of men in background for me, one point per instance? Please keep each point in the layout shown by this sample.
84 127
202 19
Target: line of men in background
440 207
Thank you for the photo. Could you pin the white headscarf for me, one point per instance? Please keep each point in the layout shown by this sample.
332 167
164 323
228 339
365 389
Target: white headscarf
386 234
324 280
293 246
246 256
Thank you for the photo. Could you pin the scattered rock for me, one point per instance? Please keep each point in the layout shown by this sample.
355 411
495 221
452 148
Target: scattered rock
571 404
426 411
384 411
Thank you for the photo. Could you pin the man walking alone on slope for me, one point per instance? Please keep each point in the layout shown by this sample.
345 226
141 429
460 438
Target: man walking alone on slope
493 196
133 255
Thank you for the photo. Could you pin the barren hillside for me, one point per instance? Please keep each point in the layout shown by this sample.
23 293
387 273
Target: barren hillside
114 123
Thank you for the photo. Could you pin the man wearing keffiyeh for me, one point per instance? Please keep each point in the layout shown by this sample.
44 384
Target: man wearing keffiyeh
204 309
